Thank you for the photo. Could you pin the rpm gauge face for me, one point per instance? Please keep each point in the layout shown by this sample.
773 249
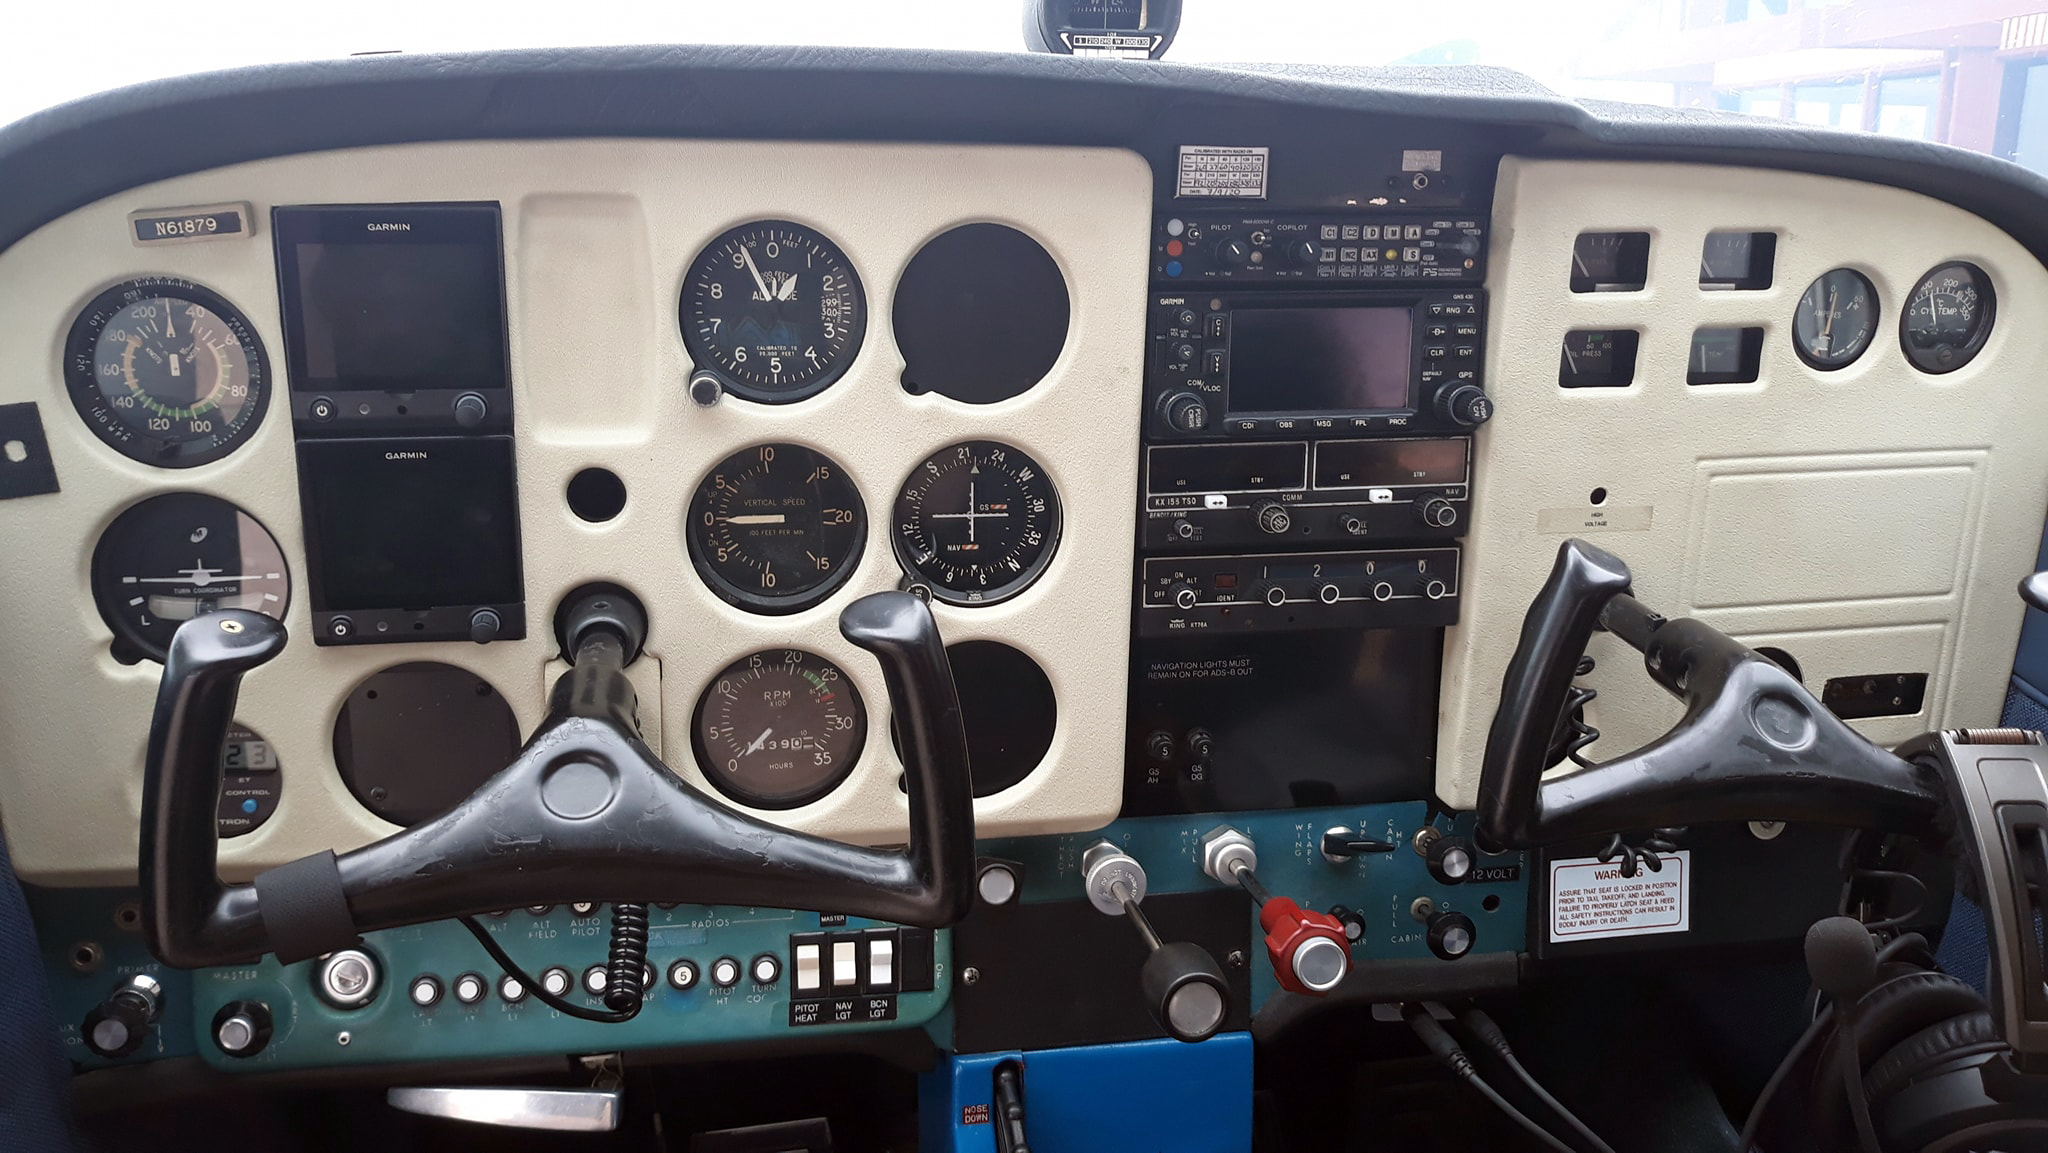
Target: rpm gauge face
166 372
181 555
778 729
775 309
1835 318
1948 318
977 522
776 528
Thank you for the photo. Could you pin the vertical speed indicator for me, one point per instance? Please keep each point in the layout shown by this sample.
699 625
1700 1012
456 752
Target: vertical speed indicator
977 522
775 309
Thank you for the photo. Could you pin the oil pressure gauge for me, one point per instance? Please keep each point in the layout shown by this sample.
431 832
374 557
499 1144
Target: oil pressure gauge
177 556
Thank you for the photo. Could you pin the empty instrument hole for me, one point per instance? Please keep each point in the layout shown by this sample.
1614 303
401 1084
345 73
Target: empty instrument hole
1599 496
597 495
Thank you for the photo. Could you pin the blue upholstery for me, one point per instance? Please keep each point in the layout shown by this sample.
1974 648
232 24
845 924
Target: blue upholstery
33 1076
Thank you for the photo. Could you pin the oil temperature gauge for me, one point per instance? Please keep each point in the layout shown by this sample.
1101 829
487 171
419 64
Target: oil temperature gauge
778 729
176 556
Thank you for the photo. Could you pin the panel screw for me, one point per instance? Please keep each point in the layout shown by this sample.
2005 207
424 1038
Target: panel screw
342 1038
1236 959
231 626
970 975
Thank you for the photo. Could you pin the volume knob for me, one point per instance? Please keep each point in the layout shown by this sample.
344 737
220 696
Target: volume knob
1302 252
1233 252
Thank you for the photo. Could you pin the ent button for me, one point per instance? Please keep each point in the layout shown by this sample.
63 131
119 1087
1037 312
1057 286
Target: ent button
809 978
845 964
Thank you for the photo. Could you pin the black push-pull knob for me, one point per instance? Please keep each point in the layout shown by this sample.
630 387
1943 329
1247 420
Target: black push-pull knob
1184 988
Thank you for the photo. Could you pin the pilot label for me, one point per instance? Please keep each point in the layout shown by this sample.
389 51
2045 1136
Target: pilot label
1590 900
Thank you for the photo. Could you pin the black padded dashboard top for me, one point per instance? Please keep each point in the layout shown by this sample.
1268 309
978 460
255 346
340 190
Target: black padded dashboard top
73 154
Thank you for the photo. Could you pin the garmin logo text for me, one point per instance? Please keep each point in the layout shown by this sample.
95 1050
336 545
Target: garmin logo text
389 226
415 455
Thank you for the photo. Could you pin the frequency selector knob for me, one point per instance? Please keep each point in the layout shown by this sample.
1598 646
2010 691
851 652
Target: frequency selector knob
1185 412
1466 404
1273 517
1436 512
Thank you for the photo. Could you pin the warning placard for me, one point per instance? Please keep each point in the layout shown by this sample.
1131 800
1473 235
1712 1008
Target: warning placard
1591 900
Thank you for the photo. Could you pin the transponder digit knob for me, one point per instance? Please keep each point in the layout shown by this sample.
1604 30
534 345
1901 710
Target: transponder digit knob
1273 517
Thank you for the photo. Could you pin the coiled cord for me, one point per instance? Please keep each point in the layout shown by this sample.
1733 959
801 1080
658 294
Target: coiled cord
1648 854
629 941
626 971
1573 731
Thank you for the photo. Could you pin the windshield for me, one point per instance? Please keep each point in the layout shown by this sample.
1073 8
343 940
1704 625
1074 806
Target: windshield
1972 74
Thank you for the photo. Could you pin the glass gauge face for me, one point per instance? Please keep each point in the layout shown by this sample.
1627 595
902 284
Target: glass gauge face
977 522
775 309
778 729
1610 261
1835 318
166 372
1948 318
178 556
776 528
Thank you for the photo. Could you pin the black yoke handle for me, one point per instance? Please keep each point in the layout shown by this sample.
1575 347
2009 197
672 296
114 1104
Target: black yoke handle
1753 743
585 812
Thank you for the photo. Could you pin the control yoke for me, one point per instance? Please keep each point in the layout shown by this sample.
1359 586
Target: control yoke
585 812
1753 744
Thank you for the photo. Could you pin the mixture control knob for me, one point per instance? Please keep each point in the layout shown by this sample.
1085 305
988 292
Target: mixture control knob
1451 935
470 409
1273 517
242 1028
1309 950
484 626
1184 989
1450 860
1466 404
1184 595
117 1026
1436 512
1186 412
1233 252
1302 252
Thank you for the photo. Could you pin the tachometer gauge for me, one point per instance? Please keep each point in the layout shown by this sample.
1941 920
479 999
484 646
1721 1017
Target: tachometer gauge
176 556
166 372
977 522
778 729
1948 318
776 528
775 309
1834 320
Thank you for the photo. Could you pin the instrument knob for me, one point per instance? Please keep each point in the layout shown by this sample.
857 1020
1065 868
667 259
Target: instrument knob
117 1026
1160 747
1467 405
1184 596
1186 317
242 1028
1452 935
1234 252
470 409
706 389
1302 252
1450 860
484 626
1186 412
1273 517
1436 512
